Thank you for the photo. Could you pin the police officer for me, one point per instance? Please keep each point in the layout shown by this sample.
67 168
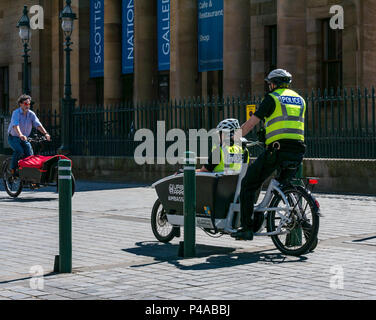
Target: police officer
231 155
283 111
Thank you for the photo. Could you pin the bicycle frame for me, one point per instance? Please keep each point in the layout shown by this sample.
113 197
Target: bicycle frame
263 206
273 188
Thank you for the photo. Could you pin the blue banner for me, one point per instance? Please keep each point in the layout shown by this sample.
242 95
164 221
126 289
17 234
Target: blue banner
127 36
163 35
210 35
96 38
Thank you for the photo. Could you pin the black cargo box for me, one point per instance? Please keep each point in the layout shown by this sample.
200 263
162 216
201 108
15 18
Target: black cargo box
214 193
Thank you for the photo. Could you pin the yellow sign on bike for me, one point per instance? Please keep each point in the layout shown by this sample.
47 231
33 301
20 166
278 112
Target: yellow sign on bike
251 109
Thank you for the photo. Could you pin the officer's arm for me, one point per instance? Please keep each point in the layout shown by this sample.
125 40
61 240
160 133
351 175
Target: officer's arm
249 125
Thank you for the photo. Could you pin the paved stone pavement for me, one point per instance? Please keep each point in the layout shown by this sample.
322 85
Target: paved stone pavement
115 255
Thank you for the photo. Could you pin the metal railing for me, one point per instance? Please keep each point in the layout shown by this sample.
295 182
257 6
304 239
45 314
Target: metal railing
3 123
339 123
51 121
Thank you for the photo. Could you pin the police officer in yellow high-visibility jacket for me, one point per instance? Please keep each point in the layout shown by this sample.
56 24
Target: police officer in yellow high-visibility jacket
231 156
283 111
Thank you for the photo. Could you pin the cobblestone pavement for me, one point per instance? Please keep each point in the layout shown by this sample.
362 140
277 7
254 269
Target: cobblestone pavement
115 255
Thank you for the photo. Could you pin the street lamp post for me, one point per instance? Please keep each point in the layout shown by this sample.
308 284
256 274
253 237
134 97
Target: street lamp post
67 17
25 35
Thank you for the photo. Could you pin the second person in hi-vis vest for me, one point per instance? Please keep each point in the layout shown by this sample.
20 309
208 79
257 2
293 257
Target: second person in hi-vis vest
283 111
231 155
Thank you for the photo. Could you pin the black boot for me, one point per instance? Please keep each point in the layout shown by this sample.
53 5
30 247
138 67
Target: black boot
243 234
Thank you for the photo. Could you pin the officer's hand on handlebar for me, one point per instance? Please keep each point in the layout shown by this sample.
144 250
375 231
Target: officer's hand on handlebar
179 171
23 138
254 143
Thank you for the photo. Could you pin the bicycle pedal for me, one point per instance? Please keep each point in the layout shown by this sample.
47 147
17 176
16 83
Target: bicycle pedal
243 239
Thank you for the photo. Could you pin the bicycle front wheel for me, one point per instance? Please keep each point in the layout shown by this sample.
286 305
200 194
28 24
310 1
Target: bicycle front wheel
162 229
299 226
12 183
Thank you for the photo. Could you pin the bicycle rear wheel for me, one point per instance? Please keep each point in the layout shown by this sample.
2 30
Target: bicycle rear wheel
12 183
302 226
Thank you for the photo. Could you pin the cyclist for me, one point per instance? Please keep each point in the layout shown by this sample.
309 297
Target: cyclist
231 155
21 124
283 111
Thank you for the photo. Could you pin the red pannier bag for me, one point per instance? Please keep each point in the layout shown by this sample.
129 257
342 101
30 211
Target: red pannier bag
36 168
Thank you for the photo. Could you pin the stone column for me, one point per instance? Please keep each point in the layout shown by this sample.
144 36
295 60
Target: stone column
351 45
112 52
368 43
88 87
45 59
57 55
291 26
236 49
145 49
262 14
184 69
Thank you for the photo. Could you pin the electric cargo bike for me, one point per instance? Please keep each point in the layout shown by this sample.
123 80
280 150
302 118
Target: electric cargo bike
33 172
289 212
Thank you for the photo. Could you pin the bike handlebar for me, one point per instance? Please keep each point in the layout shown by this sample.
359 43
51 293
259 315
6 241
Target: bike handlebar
37 139
249 144
253 143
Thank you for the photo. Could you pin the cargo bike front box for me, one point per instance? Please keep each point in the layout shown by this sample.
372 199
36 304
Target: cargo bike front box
39 169
214 194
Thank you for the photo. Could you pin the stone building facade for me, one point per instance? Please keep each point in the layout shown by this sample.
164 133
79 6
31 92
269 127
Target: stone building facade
258 35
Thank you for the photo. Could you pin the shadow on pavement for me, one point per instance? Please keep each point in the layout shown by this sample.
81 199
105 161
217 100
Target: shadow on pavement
364 239
27 278
24 200
217 257
82 186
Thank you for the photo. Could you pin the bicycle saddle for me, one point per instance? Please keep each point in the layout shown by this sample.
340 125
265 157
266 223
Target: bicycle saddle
291 165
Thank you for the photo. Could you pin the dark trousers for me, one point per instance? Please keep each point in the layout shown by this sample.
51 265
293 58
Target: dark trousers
257 173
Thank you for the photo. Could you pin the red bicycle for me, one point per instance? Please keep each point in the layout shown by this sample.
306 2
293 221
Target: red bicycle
33 172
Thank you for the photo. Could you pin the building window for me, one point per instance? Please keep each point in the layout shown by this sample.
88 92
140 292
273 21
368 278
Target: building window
99 90
128 87
270 50
215 83
163 87
331 65
4 90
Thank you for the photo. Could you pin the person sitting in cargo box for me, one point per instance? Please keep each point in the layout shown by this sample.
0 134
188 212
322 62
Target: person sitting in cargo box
231 156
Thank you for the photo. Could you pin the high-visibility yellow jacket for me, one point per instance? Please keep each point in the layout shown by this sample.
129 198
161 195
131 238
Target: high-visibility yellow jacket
287 120
231 158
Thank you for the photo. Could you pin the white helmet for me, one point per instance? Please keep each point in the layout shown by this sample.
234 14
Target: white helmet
279 77
228 125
